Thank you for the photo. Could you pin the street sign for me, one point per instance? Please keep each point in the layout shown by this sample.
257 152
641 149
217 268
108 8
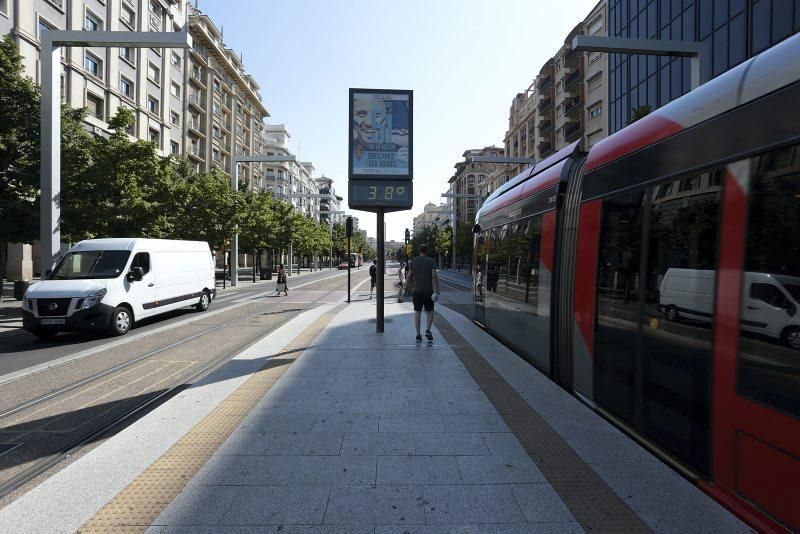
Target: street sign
381 150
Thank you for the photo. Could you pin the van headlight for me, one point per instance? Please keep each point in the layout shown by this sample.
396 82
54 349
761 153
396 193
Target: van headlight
93 299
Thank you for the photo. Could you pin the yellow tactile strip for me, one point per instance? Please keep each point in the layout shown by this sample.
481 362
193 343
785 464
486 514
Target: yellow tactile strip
140 502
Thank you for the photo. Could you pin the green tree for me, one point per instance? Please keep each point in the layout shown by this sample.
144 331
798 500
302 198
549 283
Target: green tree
464 243
639 112
256 220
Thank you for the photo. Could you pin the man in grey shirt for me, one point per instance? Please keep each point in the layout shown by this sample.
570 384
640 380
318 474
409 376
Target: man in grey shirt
422 274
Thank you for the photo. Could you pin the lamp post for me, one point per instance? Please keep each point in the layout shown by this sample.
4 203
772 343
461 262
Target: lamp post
50 126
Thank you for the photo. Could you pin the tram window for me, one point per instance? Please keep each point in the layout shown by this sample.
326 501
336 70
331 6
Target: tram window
769 348
519 268
493 260
504 261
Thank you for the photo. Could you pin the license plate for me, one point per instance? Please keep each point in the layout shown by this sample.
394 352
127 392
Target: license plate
52 321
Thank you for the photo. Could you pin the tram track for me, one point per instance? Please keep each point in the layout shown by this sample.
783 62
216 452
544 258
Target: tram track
41 466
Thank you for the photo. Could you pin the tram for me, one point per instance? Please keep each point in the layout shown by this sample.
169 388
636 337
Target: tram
657 278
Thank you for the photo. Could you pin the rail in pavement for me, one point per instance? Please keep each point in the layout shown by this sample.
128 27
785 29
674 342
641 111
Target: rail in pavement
372 432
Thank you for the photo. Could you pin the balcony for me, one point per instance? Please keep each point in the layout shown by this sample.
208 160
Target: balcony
572 131
572 60
570 82
544 81
545 104
196 126
572 106
545 127
196 101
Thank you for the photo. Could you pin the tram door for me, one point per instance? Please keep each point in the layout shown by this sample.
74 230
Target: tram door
757 342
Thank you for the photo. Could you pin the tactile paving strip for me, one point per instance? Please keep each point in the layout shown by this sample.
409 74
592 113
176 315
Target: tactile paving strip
140 502
593 503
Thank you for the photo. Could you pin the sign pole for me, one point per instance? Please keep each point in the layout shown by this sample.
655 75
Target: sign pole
348 270
379 285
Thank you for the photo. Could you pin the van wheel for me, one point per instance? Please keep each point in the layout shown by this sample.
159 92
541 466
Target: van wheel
121 321
791 336
671 313
205 300
44 333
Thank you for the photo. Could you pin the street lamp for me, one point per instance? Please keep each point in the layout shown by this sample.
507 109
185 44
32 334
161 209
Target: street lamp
50 125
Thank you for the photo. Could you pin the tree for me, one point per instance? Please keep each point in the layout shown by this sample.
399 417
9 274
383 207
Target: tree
339 241
256 220
639 112
464 243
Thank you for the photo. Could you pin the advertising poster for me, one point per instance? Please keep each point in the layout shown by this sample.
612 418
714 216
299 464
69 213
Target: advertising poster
380 137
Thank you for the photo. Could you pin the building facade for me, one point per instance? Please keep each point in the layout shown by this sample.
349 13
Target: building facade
564 103
471 178
329 203
734 29
432 215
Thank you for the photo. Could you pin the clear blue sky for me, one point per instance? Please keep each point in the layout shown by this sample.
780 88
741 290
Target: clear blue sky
465 60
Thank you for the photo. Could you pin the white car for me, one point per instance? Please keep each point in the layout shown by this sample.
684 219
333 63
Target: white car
108 284
769 301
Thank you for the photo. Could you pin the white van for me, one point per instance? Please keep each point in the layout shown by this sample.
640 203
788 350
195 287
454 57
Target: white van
769 301
107 284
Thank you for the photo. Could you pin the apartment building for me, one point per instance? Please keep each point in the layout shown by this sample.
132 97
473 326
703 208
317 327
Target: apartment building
329 203
432 215
471 178
565 101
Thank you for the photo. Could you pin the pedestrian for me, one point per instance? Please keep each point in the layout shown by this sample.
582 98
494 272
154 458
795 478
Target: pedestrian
373 277
401 275
281 286
422 274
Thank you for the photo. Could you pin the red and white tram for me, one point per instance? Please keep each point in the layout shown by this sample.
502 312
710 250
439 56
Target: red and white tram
658 278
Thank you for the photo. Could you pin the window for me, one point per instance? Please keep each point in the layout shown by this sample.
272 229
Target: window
152 105
153 136
142 259
215 155
595 81
153 73
689 184
174 148
126 87
92 22
664 190
128 54
215 109
215 132
93 65
155 8
768 363
43 25
94 104
174 118
4 7
175 90
595 110
128 16
595 26
175 60
217 86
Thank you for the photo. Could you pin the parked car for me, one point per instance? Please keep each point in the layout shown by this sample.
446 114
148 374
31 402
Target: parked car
769 301
108 284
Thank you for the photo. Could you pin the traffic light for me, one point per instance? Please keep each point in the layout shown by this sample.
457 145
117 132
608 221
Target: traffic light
408 235
349 227
408 249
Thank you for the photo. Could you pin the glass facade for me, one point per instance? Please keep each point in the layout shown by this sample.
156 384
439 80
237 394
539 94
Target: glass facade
736 29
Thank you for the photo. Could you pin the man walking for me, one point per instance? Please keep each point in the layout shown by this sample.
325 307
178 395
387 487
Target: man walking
422 274
373 277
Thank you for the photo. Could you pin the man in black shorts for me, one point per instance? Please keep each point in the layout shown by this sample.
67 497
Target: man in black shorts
373 277
422 274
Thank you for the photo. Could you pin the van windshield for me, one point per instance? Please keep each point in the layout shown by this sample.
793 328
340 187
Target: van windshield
91 264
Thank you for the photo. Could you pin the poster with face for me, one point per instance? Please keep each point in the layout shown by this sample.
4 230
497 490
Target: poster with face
380 143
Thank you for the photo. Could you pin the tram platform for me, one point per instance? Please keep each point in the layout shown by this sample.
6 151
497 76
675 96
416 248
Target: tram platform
327 426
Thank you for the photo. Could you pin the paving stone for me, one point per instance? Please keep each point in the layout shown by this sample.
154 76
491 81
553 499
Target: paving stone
305 443
272 505
504 443
418 470
383 444
496 528
245 471
261 423
451 504
199 505
540 503
498 469
474 423
244 443
397 505
437 406
411 423
449 443
346 423
334 470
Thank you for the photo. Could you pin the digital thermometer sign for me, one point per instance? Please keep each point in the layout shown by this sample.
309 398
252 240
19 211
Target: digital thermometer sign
381 193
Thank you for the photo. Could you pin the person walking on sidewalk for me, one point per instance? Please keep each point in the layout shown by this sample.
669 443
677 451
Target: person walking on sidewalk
373 277
402 276
281 285
422 274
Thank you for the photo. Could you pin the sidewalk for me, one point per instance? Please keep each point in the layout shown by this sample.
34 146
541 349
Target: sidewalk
326 426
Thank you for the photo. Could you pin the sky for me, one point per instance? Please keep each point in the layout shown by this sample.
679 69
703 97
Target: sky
465 60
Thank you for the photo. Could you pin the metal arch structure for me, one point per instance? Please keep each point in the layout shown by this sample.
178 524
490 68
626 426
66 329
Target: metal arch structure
453 219
50 120
699 52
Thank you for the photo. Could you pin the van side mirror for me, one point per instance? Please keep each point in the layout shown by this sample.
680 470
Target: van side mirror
136 274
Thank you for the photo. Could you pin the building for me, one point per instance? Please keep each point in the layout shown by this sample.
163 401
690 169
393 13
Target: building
735 31
563 104
469 179
331 202
432 215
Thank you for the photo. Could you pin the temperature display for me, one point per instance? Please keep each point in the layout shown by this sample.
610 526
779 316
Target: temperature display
380 193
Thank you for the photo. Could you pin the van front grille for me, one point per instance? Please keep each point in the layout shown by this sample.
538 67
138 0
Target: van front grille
52 307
